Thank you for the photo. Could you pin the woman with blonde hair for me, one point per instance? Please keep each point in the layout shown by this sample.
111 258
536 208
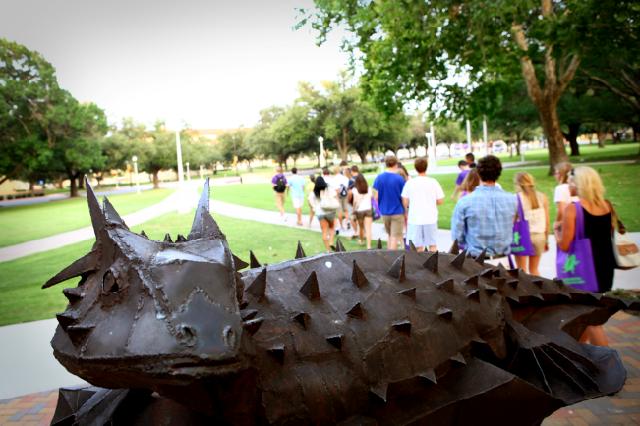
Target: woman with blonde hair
561 195
586 183
536 212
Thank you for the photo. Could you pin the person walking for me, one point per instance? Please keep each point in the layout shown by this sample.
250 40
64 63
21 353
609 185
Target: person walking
464 171
483 220
470 182
421 197
318 199
279 182
587 185
561 194
296 184
536 211
340 183
387 191
362 206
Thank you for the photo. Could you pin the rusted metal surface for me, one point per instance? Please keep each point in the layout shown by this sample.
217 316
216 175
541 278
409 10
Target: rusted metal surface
388 337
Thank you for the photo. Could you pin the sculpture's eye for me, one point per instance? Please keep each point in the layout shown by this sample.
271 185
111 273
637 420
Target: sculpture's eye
109 283
187 335
229 336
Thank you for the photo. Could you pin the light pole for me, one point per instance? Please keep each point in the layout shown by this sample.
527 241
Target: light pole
321 157
188 172
179 158
135 170
484 135
469 136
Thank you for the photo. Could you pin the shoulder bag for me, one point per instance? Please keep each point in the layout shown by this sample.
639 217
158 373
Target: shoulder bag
522 245
625 250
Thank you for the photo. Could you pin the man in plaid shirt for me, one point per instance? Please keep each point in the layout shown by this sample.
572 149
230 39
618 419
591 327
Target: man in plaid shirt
484 219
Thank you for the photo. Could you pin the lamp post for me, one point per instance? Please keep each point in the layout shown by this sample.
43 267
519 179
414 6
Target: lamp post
135 170
179 158
188 172
321 157
469 136
484 135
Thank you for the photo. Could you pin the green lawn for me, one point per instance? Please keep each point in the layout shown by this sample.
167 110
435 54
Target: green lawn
24 223
621 180
23 300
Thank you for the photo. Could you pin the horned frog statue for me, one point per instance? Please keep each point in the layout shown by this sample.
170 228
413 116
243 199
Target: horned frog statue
172 332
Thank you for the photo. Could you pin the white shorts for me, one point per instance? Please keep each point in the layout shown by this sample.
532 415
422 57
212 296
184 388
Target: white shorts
297 202
422 235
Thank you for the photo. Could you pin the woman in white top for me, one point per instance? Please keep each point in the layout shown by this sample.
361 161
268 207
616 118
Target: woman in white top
325 216
536 212
362 208
561 195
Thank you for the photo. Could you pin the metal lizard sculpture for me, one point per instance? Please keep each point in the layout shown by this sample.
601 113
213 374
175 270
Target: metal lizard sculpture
175 331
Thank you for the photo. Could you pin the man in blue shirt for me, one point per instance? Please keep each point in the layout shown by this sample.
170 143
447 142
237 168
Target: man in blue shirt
484 218
387 189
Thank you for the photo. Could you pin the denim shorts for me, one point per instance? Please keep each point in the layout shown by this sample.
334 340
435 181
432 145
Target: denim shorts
422 235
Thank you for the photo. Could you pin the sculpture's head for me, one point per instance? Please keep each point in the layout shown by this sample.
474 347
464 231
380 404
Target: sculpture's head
150 311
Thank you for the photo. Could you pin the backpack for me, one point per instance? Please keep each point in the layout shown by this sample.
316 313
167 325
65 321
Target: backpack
328 201
343 191
280 185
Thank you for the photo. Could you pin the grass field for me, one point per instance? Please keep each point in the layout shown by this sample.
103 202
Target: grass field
23 300
621 180
30 222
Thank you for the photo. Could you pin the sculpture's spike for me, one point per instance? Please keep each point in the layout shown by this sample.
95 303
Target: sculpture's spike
356 311
311 288
167 238
300 251
253 325
446 285
339 245
410 292
335 340
239 263
73 294
498 282
111 215
357 276
397 269
472 281
432 263
412 247
259 285
302 318
67 318
180 239
559 282
490 290
487 273
379 244
97 217
513 283
482 256
458 261
455 249
203 224
458 358
78 333
515 273
143 234
538 283
277 352
87 263
429 375
473 295
253 260
445 313
248 314
380 390
403 326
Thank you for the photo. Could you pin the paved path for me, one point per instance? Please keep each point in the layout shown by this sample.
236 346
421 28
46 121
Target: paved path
621 409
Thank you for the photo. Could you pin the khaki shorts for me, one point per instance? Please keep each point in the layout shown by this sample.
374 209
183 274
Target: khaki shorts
394 225
344 205
361 215
539 240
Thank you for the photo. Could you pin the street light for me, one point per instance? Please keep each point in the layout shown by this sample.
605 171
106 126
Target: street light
320 140
188 172
135 170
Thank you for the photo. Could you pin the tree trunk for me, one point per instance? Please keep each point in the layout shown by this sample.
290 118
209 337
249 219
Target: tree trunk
551 127
73 192
156 181
572 137
80 182
363 156
636 131
343 144
602 135
31 185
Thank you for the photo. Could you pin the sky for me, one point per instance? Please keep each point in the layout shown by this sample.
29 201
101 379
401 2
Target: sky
197 63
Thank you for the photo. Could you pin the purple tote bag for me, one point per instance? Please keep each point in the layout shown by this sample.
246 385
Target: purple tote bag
575 266
521 244
375 209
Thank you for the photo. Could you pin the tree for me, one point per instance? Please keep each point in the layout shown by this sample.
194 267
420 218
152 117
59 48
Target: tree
159 151
412 52
28 87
